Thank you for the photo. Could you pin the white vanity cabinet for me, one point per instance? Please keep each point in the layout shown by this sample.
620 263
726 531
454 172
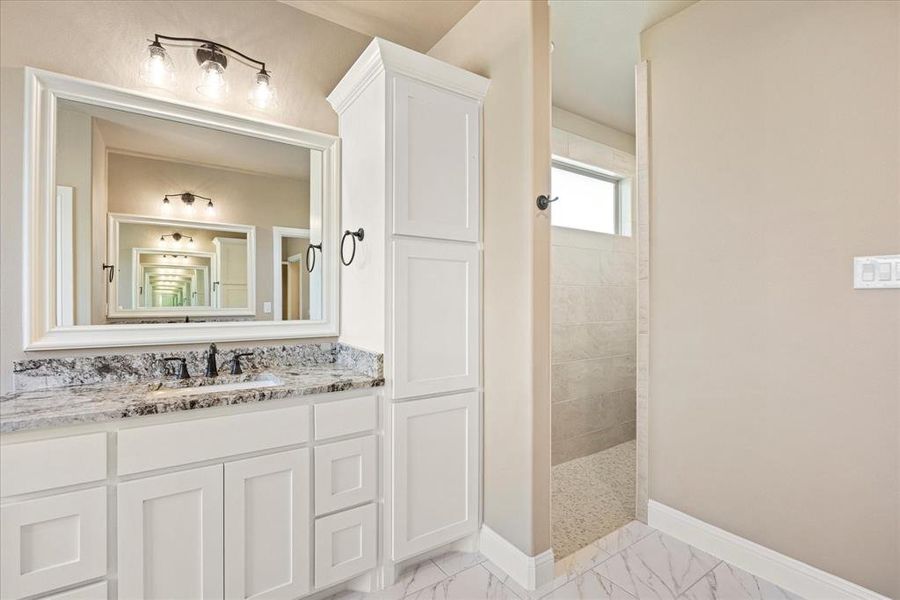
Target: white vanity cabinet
270 501
411 176
170 537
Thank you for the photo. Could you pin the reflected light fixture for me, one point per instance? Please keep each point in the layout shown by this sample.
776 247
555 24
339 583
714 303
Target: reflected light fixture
176 237
188 199
157 70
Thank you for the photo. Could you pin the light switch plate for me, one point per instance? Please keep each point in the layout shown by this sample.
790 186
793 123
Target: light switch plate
267 307
876 272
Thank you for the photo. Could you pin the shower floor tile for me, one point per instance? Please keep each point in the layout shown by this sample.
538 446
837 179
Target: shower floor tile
592 496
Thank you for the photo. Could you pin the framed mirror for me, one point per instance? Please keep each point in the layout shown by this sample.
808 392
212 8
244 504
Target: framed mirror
150 221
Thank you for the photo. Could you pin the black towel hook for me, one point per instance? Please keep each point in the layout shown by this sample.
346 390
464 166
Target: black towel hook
312 249
111 273
543 201
359 234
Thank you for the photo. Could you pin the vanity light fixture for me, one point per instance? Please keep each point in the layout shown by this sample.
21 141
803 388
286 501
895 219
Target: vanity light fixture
176 237
158 70
188 199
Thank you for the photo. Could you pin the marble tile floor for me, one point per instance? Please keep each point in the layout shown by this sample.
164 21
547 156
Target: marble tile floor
592 496
635 562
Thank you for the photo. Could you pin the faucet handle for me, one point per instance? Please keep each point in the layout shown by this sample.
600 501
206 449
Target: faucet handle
183 371
236 362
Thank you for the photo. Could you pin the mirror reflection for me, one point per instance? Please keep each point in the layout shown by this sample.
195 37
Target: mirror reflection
162 221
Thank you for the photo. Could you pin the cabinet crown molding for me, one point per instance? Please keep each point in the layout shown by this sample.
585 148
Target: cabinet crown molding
384 56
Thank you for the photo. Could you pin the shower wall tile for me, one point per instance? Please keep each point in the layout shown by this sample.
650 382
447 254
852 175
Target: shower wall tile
568 449
594 339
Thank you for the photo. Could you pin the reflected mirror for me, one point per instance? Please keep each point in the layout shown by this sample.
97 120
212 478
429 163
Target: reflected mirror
163 221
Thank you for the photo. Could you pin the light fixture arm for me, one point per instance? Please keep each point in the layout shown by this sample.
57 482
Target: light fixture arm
261 64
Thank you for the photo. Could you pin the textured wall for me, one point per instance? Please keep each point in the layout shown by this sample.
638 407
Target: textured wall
775 395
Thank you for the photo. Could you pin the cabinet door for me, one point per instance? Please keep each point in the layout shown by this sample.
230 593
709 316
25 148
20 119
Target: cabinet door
52 542
171 537
436 161
435 472
436 310
267 526
346 544
345 474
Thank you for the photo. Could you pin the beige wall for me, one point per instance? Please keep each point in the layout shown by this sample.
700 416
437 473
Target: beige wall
592 130
594 341
509 43
775 388
105 41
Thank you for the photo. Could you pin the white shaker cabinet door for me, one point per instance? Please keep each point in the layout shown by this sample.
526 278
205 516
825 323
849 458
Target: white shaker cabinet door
171 536
436 317
435 472
436 161
52 542
267 536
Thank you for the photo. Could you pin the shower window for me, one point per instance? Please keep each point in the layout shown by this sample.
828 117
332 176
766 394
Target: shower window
588 199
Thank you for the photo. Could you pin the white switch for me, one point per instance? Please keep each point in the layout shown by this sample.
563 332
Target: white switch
267 307
873 272
868 272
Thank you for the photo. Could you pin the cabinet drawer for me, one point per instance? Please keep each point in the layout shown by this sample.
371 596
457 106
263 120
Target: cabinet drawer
52 542
345 545
346 417
97 591
46 464
345 474
173 444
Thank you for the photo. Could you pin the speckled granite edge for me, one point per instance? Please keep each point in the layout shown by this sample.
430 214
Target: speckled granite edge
56 372
80 404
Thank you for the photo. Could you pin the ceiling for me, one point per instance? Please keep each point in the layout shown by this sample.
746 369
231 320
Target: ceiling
596 46
416 24
170 140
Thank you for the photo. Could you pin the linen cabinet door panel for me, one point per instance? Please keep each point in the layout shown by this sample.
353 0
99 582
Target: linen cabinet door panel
170 536
267 526
436 162
435 472
52 542
436 317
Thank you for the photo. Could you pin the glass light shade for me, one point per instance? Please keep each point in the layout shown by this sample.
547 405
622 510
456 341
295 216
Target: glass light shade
210 209
263 94
157 69
212 82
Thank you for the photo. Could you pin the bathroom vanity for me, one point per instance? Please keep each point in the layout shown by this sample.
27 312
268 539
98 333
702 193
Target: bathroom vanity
317 466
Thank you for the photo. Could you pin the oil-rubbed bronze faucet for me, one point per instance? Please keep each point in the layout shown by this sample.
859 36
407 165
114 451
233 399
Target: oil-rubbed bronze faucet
236 362
212 370
183 371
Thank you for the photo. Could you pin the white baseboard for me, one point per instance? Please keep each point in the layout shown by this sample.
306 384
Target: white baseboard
788 573
530 572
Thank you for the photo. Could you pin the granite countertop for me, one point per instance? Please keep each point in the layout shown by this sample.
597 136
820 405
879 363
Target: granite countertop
78 404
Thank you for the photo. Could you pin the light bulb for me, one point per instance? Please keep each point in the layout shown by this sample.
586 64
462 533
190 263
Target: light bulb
212 80
262 93
210 209
157 69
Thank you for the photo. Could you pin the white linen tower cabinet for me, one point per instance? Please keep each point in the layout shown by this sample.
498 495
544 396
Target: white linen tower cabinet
410 127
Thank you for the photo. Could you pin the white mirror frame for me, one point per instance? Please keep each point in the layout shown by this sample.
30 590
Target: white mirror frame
42 91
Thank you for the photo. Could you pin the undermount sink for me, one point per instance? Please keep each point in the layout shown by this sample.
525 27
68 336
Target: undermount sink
260 381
